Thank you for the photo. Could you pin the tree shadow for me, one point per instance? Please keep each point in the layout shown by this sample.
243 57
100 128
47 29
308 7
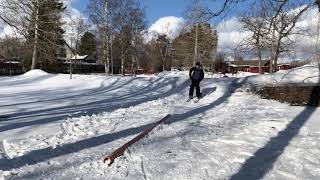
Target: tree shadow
99 90
208 91
41 155
105 104
231 88
20 80
257 166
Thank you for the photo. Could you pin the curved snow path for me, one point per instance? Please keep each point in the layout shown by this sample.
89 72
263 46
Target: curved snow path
217 138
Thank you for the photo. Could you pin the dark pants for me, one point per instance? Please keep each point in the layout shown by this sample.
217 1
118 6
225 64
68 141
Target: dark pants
195 84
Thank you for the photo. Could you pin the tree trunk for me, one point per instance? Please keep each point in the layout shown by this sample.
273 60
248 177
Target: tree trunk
36 37
196 46
276 57
122 61
111 49
133 66
106 48
272 50
107 56
317 57
163 65
259 57
122 53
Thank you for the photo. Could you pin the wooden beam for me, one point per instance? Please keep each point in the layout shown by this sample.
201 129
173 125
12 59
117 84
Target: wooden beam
120 151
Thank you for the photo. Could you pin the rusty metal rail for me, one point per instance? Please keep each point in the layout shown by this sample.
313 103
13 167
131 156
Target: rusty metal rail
120 151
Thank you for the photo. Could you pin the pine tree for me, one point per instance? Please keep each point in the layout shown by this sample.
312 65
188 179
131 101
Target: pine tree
47 21
87 44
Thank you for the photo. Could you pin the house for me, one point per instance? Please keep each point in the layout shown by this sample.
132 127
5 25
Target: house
10 66
85 64
285 66
64 53
251 65
85 59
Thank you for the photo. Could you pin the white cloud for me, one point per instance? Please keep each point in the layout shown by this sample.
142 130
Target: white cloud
170 26
6 31
230 34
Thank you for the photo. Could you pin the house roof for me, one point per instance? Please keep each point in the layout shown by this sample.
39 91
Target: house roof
251 62
12 62
78 57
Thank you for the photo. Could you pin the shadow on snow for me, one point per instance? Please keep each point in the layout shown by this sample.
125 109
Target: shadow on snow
42 155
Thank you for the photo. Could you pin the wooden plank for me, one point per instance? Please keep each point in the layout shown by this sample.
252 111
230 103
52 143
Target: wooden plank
120 151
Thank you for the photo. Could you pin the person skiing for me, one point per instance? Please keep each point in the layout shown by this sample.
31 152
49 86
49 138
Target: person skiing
196 75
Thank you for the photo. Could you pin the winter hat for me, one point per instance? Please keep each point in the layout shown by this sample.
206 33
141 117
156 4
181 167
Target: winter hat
198 63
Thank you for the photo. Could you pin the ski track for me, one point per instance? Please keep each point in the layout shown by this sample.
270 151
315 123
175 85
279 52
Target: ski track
211 139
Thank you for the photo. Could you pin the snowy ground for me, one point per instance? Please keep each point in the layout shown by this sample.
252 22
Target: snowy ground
55 128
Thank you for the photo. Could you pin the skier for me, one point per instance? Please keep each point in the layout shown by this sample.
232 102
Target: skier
196 75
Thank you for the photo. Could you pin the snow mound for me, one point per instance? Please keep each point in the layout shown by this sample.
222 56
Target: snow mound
169 74
35 73
308 74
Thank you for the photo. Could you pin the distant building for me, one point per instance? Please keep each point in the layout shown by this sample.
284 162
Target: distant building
10 66
285 66
253 66
86 59
64 53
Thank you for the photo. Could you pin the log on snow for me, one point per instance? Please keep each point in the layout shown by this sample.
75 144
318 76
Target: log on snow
120 151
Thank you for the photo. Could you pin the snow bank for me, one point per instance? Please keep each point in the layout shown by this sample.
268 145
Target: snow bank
35 73
305 75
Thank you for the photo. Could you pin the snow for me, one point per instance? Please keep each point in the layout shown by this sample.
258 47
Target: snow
78 57
35 73
55 128
305 75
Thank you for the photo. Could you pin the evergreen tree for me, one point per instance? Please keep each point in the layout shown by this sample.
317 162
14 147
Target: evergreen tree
47 16
87 44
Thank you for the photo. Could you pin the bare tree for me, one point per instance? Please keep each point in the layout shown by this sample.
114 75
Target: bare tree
164 47
100 13
138 24
17 14
255 23
283 17
219 8
79 27
197 14
272 24
128 21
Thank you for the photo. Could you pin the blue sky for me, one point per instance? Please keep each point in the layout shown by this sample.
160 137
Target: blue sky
154 9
